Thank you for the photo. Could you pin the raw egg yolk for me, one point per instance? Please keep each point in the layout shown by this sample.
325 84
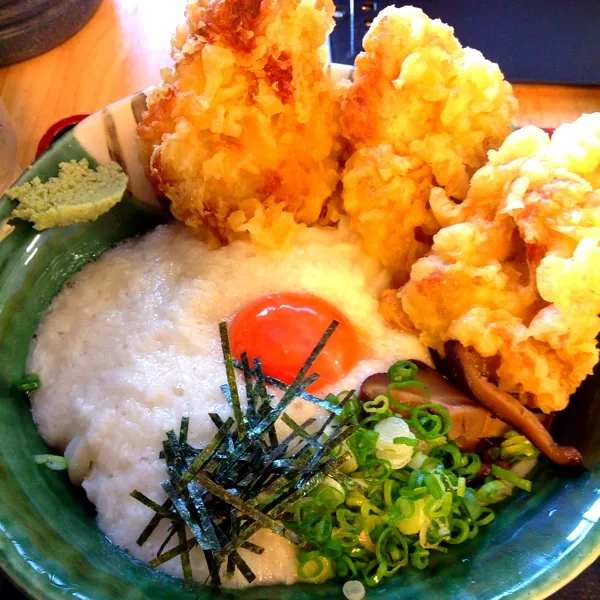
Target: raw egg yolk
283 329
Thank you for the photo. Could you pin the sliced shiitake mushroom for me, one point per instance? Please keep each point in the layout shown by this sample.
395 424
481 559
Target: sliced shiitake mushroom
466 369
470 420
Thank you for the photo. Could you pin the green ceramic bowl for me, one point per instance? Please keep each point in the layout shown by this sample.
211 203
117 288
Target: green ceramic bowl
49 543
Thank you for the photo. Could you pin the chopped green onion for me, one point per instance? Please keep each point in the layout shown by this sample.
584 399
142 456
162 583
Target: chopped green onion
315 570
413 524
472 504
486 517
342 515
363 444
440 507
388 486
417 461
29 383
406 441
355 499
55 463
517 447
331 495
345 567
377 470
430 420
374 573
471 465
434 486
419 558
459 532
450 454
511 477
311 568
493 492
378 405
332 549
346 539
404 370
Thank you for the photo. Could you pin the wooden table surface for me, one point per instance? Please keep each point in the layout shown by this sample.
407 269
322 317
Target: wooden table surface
122 50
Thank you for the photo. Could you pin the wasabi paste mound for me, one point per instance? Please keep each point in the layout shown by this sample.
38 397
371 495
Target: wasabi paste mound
78 195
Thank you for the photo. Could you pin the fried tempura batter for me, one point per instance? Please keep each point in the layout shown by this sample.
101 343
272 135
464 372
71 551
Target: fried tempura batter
242 137
422 111
514 272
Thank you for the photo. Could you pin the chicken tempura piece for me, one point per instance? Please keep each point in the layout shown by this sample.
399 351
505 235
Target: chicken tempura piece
242 136
422 111
514 272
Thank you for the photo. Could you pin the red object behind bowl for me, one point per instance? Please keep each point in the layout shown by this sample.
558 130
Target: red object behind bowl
56 131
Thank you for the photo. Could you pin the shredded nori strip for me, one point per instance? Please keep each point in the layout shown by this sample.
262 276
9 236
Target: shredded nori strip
250 390
249 511
253 548
172 532
204 457
280 385
231 382
164 512
261 388
242 565
173 553
186 515
195 493
151 527
184 430
297 429
246 478
186 565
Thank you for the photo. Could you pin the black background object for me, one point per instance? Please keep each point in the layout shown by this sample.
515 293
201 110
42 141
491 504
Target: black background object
31 27
543 41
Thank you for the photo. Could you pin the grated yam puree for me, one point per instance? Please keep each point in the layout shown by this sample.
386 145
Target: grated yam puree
131 345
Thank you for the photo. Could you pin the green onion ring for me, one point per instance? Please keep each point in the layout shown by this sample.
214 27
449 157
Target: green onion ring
440 419
419 558
377 470
311 569
459 532
450 451
511 477
487 516
435 488
345 565
404 370
406 441
473 531
329 498
472 504
332 549
378 405
346 539
415 494
471 466
439 508
343 514
388 488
